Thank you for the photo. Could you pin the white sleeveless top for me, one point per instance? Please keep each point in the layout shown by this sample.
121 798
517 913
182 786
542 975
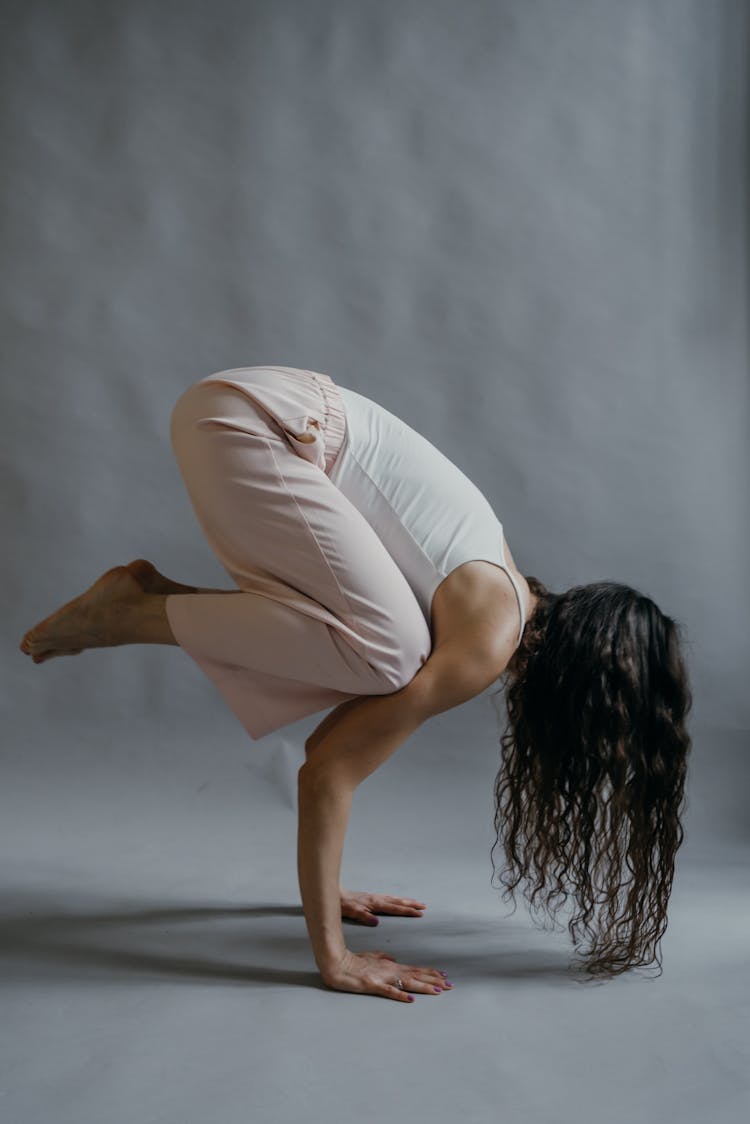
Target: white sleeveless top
429 515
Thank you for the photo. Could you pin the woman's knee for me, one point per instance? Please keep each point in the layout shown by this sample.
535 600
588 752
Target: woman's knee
412 652
185 412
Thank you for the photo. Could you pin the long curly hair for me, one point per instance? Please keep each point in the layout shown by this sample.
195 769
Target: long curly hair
590 791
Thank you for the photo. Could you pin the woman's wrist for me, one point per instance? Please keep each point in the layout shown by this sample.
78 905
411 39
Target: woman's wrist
328 956
323 810
329 964
328 950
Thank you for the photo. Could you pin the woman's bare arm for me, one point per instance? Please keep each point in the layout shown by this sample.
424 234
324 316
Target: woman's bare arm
361 740
366 732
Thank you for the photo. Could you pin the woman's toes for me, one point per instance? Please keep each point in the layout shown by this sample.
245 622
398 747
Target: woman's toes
27 643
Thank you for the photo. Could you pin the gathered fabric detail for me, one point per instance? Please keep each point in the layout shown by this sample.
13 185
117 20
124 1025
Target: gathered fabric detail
334 420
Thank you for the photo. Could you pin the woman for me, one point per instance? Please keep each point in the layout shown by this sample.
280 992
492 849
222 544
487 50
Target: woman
373 577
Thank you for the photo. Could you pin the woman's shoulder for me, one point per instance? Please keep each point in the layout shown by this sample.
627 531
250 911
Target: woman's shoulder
477 595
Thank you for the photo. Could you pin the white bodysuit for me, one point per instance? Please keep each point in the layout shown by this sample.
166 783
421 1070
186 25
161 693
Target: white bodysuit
428 513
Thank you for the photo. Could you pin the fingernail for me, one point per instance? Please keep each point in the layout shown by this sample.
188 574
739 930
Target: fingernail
411 998
437 989
443 973
448 983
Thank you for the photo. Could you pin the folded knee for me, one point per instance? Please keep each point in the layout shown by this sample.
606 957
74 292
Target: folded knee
406 660
185 412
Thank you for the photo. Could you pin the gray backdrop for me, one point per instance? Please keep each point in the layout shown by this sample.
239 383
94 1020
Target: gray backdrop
522 227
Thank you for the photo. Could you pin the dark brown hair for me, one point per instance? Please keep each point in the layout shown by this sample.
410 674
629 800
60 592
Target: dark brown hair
590 791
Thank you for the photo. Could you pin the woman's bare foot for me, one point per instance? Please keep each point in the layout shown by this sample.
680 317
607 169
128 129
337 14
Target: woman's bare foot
101 617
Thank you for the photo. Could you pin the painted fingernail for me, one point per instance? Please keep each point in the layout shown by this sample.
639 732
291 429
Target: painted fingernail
442 973
448 983
411 998
437 989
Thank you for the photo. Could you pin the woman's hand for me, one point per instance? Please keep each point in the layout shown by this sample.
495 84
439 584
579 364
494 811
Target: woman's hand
361 907
375 973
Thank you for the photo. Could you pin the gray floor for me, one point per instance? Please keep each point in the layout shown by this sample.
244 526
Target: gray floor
156 965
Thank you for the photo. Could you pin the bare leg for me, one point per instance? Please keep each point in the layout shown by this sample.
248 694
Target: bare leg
126 605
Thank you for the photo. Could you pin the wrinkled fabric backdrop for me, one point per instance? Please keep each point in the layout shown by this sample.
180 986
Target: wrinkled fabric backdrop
523 228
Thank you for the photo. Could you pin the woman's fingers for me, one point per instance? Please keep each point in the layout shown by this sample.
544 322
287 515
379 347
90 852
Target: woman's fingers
420 981
378 973
404 906
357 905
389 902
430 977
413 976
395 993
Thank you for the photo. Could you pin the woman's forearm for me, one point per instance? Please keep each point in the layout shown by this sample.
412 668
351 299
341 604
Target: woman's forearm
323 810
359 742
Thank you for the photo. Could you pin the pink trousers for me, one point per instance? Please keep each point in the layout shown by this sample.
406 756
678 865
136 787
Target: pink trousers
322 613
